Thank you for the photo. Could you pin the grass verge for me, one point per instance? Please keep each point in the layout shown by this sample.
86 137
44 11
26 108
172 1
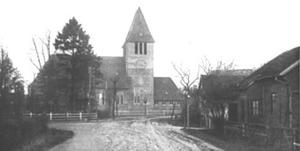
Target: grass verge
228 143
46 140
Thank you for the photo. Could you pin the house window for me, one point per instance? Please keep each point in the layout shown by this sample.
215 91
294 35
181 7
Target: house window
100 99
255 107
136 48
145 48
273 99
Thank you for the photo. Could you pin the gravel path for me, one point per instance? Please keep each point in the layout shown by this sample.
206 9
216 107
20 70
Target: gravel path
129 135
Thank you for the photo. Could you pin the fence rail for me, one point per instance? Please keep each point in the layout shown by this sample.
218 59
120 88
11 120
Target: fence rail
64 116
146 112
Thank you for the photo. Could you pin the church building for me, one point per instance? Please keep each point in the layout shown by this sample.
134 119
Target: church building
130 79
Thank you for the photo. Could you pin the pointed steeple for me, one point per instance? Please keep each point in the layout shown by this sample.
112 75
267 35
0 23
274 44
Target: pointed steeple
139 31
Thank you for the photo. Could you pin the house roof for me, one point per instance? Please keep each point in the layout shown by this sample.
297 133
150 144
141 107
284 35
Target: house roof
234 72
274 67
111 68
139 31
165 89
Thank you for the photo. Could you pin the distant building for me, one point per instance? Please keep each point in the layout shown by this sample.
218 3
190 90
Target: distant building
132 77
271 93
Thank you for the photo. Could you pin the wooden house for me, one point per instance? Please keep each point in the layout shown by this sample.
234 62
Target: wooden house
270 95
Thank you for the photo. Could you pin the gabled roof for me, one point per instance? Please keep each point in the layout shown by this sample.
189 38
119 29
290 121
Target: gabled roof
274 67
139 31
165 89
112 67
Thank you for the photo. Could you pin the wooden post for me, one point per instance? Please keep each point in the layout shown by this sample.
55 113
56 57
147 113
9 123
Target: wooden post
30 115
50 116
80 115
296 140
293 141
243 129
188 115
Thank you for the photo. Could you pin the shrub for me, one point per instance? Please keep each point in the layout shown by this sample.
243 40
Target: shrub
103 114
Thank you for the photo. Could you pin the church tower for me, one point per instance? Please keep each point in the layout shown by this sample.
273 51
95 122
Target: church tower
138 55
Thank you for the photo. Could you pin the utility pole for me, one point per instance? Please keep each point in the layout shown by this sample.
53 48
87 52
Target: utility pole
114 80
188 112
89 91
145 102
114 98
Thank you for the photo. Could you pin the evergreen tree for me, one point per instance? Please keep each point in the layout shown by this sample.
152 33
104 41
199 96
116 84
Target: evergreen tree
11 86
74 41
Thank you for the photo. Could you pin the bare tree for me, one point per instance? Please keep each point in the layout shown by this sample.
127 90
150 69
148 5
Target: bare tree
41 55
187 82
216 89
208 68
185 75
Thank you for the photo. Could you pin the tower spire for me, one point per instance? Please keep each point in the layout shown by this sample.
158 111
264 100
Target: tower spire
139 31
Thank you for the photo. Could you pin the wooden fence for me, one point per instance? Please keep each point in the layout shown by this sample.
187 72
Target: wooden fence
271 134
64 116
142 112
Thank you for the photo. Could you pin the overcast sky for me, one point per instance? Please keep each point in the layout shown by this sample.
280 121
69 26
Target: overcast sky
248 32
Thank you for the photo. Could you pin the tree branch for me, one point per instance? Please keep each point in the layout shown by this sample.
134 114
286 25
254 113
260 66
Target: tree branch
34 64
37 53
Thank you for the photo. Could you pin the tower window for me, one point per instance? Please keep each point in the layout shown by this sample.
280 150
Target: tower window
141 48
136 47
145 48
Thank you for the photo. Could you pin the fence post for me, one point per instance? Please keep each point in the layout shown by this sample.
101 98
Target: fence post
243 129
80 115
293 140
30 115
67 116
50 116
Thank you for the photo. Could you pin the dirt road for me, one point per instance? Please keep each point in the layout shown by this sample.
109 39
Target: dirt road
128 135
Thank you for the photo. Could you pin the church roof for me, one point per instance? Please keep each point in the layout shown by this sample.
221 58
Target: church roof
166 90
139 31
114 67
